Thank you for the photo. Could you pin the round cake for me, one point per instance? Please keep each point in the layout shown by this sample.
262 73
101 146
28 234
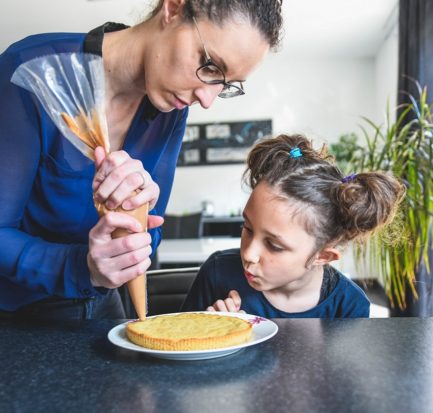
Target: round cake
189 331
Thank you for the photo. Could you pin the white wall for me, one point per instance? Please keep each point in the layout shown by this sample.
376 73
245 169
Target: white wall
20 18
386 72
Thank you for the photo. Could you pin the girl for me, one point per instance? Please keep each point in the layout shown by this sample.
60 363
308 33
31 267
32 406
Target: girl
58 259
300 213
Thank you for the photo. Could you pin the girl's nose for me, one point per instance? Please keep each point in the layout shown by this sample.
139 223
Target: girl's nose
251 253
206 94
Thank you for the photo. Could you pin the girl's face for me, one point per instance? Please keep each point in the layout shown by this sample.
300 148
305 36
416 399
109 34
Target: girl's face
275 247
171 62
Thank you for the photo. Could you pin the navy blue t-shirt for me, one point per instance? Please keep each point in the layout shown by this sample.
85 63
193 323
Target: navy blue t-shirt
223 272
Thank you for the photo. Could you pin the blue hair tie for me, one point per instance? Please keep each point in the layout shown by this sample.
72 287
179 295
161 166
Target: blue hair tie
295 153
348 178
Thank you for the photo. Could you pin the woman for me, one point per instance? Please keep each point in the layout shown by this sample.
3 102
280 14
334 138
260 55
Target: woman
58 260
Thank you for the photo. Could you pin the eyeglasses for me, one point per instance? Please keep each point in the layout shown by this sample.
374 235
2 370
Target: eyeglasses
211 74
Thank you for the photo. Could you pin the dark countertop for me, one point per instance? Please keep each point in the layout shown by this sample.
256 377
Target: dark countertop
311 365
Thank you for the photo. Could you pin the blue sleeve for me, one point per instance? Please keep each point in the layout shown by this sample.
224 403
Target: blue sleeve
202 292
27 260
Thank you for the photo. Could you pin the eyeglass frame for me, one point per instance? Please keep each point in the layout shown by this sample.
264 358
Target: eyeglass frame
209 62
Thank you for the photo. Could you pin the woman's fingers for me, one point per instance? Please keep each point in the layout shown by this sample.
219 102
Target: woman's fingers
148 193
112 262
108 164
119 176
122 245
99 156
131 264
110 222
124 177
108 274
154 221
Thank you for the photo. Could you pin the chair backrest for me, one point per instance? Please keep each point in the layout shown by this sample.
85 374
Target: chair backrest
167 289
182 226
191 225
171 227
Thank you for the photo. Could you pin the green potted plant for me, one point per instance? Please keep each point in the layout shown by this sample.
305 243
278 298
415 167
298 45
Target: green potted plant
401 254
346 151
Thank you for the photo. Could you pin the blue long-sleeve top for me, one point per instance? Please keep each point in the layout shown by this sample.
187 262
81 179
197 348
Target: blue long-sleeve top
46 205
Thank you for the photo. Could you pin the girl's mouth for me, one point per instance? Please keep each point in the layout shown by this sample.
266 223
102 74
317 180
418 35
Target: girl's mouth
250 277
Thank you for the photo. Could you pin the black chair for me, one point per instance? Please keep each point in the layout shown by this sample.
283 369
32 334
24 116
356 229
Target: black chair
182 226
191 225
171 227
166 291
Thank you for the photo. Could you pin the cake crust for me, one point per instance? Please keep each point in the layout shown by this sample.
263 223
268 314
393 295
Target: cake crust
189 332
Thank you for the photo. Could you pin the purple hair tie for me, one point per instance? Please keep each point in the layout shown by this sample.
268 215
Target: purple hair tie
295 153
348 178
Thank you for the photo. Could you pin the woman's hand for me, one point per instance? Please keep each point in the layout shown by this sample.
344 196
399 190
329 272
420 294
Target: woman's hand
231 304
117 176
113 262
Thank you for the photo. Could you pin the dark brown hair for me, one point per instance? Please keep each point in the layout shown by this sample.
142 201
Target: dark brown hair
336 210
265 15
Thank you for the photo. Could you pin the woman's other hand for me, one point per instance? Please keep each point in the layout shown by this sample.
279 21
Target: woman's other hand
113 262
117 176
231 304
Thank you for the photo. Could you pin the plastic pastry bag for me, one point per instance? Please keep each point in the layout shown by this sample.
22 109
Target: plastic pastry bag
71 88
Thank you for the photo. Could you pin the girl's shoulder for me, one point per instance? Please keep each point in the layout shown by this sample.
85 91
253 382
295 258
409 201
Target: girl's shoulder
345 284
345 300
223 262
226 256
224 267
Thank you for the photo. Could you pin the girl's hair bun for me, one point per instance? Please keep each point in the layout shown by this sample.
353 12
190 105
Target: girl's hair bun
368 201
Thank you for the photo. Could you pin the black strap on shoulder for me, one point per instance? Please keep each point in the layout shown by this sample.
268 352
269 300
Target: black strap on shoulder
93 40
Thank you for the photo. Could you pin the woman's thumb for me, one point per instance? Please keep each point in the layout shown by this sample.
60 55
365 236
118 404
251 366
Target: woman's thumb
99 156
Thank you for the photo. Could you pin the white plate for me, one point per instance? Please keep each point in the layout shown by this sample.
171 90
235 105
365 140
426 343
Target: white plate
263 329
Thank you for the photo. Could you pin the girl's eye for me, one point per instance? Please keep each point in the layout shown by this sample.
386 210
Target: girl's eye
249 231
274 247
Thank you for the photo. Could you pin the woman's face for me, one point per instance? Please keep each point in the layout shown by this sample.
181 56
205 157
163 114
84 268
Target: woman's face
275 248
172 61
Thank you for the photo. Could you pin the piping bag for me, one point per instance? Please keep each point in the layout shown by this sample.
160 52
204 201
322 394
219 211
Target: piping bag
71 88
